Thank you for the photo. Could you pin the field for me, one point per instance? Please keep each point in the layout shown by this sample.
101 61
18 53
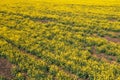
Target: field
59 40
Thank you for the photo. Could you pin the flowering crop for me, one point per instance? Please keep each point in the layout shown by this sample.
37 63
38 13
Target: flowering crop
56 40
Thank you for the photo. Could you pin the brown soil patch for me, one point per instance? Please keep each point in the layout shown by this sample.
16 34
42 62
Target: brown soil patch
116 40
112 19
5 69
42 21
106 58
116 33
103 56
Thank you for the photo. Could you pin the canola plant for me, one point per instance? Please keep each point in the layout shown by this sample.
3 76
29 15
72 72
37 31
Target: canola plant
61 40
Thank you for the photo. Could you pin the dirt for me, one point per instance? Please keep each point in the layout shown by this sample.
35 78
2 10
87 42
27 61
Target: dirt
116 40
5 69
43 21
112 19
111 39
103 56
116 33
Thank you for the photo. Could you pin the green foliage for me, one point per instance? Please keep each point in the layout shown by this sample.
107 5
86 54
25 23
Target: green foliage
60 41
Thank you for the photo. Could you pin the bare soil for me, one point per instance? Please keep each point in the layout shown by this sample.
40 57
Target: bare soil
112 20
5 69
43 21
116 40
106 58
103 56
